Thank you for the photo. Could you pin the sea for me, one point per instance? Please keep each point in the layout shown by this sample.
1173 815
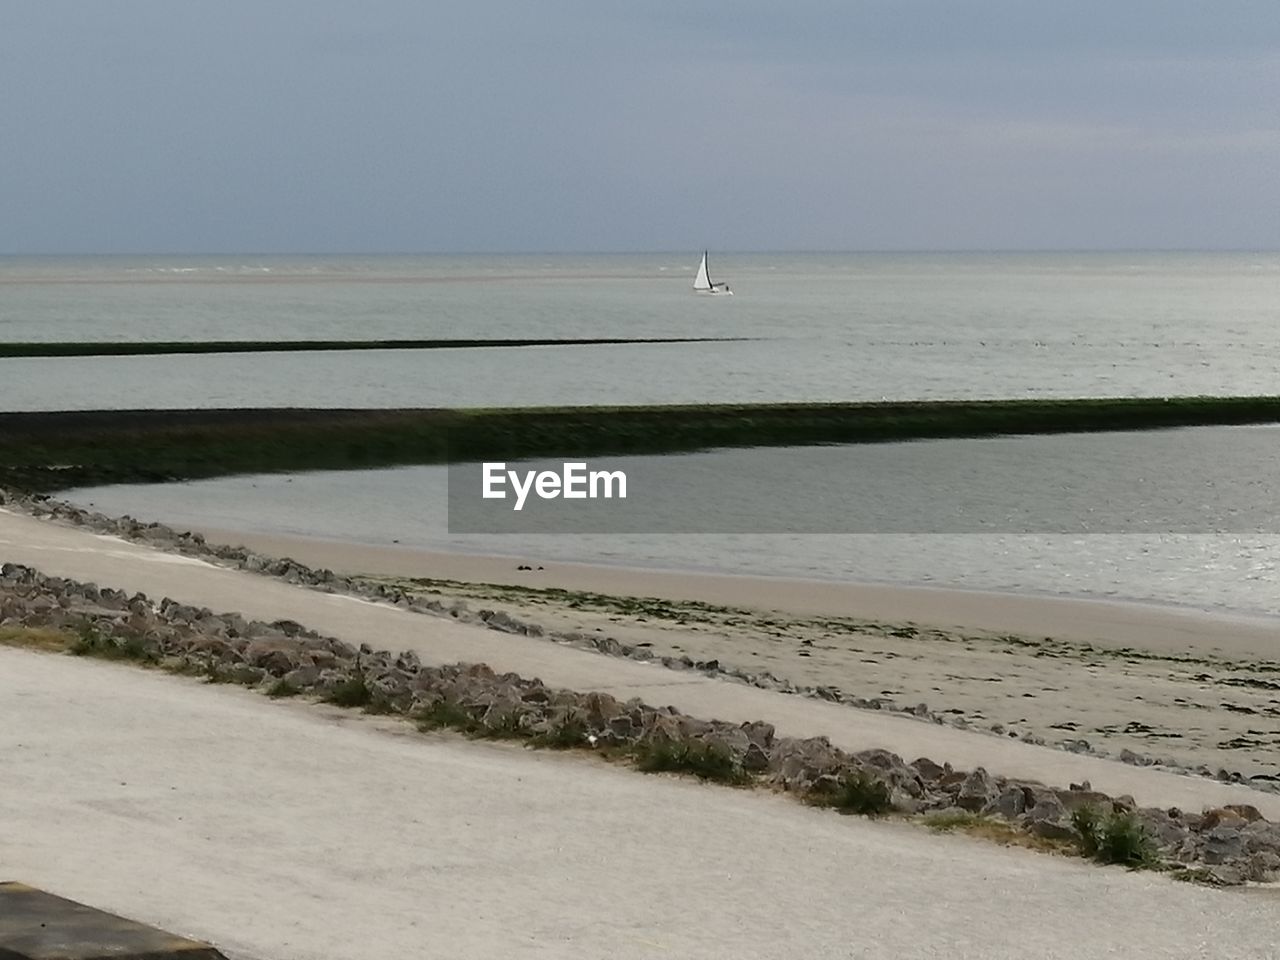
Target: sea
809 327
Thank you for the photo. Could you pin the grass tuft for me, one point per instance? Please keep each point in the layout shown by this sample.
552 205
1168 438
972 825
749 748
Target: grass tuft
1087 822
569 734
505 726
92 642
860 793
352 692
705 761
36 638
1125 841
948 820
995 830
282 688
1118 838
214 671
380 706
444 715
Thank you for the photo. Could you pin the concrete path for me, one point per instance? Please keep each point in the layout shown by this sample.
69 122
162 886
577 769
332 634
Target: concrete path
108 561
289 831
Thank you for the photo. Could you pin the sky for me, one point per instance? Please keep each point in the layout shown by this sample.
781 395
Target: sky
278 126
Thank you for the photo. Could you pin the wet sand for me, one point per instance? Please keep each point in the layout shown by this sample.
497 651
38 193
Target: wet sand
1159 628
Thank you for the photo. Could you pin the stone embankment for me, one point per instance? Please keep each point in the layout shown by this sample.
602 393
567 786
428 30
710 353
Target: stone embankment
163 537
1228 845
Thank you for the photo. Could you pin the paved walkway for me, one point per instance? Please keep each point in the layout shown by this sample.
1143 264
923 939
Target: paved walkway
291 831
108 561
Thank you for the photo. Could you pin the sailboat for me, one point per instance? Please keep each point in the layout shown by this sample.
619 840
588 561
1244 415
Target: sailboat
702 282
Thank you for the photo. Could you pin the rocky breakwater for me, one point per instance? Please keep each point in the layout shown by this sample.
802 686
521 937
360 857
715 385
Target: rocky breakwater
1229 845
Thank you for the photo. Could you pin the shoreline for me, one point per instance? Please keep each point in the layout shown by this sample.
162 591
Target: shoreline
1197 701
1117 624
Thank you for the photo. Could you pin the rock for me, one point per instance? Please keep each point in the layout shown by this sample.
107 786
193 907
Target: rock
1262 836
759 733
1263 867
977 790
1008 804
246 674
1074 799
1135 759
1223 844
659 727
601 709
303 678
928 771
276 658
1246 811
733 740
1051 830
1167 831
1218 816
1047 809
798 764
880 759
500 620
756 758
623 729
1226 876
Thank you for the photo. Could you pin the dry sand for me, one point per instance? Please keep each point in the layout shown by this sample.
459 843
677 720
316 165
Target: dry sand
1198 689
286 831
70 552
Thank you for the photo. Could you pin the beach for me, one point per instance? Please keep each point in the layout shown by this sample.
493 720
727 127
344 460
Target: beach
1161 682
1147 684
196 788
989 664
403 554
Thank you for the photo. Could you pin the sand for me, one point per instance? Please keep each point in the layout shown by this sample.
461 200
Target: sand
66 551
297 832
1197 689
1117 624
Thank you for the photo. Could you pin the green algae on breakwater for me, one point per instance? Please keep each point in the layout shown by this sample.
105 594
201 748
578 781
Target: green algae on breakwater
43 451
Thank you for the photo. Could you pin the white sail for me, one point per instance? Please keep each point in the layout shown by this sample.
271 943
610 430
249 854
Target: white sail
702 281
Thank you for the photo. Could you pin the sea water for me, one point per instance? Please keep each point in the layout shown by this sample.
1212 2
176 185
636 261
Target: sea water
816 327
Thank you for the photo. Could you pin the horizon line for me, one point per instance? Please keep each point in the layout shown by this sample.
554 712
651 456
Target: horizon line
797 251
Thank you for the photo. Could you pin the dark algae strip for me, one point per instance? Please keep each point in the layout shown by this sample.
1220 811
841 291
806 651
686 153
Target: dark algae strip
138 348
47 451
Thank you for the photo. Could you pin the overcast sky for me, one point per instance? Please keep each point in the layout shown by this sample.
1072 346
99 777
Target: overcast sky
583 125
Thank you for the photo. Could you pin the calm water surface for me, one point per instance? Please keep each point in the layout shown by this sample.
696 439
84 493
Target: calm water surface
1233 565
826 327
830 327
